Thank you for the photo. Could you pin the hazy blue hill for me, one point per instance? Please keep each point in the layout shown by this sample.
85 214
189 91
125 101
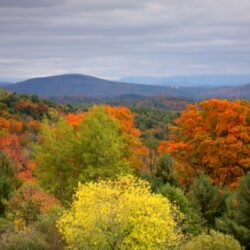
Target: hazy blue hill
4 83
237 92
191 80
81 86
74 84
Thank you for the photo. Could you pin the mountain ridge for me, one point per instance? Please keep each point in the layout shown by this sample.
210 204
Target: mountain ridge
75 84
90 86
208 80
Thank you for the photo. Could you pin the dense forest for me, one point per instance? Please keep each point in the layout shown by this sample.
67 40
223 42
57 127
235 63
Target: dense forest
110 177
163 103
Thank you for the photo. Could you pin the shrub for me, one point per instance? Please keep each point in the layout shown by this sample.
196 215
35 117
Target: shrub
47 226
29 202
213 241
27 239
121 214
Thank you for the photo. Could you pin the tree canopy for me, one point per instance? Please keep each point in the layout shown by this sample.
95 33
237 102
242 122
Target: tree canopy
120 214
212 136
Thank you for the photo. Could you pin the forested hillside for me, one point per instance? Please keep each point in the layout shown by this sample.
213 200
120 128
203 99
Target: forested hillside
109 177
162 103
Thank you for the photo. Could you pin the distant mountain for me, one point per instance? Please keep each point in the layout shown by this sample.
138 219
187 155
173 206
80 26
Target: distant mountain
191 80
85 86
75 84
239 92
4 83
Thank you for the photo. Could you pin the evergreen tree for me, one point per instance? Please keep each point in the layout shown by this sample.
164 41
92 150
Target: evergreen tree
165 170
192 221
8 181
236 219
209 199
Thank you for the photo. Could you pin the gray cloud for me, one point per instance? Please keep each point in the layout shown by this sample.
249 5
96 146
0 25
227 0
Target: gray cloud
115 38
29 3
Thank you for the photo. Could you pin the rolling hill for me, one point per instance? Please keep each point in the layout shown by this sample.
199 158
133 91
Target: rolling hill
4 83
76 85
238 92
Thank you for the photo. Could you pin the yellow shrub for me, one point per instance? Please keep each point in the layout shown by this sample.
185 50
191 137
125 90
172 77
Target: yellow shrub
121 214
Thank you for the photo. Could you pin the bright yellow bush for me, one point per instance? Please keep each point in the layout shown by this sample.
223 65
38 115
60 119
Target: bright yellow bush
213 241
121 214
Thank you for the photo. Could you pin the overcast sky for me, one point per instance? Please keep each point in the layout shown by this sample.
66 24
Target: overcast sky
116 38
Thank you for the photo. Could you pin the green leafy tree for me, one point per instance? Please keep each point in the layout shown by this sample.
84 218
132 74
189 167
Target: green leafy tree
120 214
53 155
213 241
236 219
66 155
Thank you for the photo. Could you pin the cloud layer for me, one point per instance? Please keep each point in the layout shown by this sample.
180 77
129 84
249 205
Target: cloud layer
115 38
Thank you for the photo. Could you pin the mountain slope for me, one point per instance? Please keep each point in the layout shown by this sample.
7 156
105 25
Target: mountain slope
88 86
73 84
4 83
228 92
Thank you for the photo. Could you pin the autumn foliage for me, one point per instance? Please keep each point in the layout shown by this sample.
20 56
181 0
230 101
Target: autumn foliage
136 150
212 137
74 119
125 121
120 214
127 195
10 145
29 201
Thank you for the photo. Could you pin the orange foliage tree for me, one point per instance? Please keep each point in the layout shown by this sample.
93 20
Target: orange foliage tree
136 150
74 119
212 137
10 145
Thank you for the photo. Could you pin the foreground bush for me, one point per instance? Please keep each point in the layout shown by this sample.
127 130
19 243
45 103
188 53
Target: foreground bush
121 214
213 241
29 202
40 235
27 239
